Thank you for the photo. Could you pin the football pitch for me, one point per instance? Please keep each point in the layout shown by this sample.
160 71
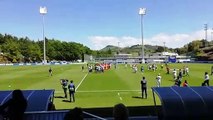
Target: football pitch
106 89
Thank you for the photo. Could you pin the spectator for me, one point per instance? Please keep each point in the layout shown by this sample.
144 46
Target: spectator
120 112
74 114
15 107
51 106
185 84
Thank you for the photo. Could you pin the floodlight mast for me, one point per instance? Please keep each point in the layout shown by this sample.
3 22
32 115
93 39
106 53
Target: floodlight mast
43 11
211 34
142 12
205 28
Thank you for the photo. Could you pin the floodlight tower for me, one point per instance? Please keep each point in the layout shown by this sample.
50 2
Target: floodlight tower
205 28
142 12
118 47
212 34
164 45
43 11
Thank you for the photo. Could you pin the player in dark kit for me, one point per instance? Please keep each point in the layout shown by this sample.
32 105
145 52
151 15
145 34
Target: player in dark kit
64 84
50 72
71 88
144 87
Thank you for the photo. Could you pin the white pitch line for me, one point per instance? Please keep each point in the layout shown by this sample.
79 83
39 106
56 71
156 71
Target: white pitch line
81 82
120 96
104 91
101 91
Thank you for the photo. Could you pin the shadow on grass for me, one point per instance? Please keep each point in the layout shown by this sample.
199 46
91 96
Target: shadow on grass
65 100
58 97
172 80
138 97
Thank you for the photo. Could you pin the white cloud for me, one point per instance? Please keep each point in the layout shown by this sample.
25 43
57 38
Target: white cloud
172 41
100 42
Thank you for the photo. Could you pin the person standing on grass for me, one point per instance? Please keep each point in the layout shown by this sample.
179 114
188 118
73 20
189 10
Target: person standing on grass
142 69
174 74
212 70
71 88
167 69
158 80
206 79
64 83
82 68
187 71
144 87
161 66
50 72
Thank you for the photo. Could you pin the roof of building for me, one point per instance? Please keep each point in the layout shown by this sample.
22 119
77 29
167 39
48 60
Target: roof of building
186 102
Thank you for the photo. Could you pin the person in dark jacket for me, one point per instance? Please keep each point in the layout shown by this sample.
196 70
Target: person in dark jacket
71 88
15 107
144 87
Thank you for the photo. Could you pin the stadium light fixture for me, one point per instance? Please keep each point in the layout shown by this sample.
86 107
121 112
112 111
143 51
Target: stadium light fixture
43 11
212 34
142 12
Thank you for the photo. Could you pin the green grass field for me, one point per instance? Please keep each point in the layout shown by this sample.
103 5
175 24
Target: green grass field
95 89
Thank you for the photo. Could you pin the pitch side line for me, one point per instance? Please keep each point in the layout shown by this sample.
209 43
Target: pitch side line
81 82
103 91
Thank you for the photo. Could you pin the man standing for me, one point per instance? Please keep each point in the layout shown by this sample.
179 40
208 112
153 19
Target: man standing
71 88
167 69
142 69
82 68
144 87
50 72
206 79
64 83
187 71
158 78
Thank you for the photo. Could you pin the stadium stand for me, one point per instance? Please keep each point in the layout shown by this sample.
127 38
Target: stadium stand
35 103
185 102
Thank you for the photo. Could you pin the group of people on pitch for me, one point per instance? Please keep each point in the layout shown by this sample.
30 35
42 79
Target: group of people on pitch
66 86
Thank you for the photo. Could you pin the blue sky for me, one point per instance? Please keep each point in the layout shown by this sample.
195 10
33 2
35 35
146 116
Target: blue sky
97 23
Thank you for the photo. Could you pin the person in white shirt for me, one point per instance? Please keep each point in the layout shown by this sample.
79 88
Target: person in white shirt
187 70
206 79
174 74
158 80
